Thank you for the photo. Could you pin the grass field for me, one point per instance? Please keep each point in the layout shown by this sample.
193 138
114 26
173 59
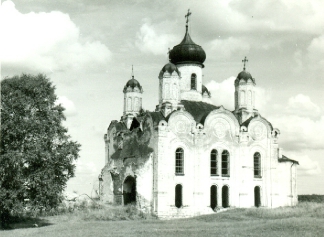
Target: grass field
307 219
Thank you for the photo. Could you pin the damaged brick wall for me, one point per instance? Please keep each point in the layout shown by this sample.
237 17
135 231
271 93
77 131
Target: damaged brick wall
130 154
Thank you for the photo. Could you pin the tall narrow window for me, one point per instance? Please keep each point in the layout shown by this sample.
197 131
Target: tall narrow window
249 98
225 196
225 163
178 196
213 197
193 81
129 104
257 165
257 196
242 97
213 163
179 161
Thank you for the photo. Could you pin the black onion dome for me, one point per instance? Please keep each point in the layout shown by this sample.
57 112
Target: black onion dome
132 83
187 52
204 89
170 68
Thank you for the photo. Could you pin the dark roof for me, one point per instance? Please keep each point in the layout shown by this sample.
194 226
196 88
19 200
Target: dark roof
286 159
187 51
170 68
132 83
156 117
198 109
245 76
204 89
247 122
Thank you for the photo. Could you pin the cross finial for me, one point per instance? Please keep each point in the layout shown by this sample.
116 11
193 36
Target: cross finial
132 72
187 16
244 61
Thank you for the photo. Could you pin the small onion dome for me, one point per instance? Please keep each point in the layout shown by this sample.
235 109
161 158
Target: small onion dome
245 76
132 84
205 91
187 52
170 68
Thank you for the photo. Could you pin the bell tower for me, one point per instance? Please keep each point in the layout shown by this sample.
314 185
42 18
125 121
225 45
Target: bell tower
132 100
244 94
189 58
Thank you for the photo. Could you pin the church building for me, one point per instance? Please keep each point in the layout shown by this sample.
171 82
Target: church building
190 157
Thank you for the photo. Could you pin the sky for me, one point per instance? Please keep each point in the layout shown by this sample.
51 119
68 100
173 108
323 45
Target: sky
87 49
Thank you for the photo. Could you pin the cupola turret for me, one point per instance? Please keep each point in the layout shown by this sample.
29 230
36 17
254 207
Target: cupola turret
132 99
169 86
244 94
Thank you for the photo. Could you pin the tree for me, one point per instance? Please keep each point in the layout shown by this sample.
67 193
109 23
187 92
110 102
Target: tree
37 154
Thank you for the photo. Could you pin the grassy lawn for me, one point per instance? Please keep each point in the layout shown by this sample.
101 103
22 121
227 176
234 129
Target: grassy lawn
307 219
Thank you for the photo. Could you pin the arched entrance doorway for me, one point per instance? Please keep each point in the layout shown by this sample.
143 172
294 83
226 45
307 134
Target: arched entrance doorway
257 196
213 197
225 196
129 190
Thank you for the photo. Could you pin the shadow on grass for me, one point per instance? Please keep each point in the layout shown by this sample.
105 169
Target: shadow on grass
25 222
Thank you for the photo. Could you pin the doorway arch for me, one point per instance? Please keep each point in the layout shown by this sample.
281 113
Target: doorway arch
257 196
129 190
225 196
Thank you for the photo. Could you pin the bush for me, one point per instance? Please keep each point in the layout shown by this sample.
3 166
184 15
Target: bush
311 198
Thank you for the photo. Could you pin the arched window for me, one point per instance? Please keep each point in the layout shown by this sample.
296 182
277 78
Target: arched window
225 196
242 97
225 163
178 196
136 104
213 196
179 161
257 165
193 81
249 98
166 91
213 163
129 104
257 196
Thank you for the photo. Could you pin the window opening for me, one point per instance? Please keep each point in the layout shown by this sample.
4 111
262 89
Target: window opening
213 197
257 196
213 163
257 165
225 196
225 163
178 195
193 81
179 161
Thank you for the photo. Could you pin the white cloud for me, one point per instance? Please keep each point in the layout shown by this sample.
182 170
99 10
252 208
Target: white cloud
285 15
69 106
303 106
316 52
298 133
45 42
307 166
225 48
223 94
149 41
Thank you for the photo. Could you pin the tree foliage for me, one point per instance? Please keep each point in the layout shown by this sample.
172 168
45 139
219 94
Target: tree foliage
37 154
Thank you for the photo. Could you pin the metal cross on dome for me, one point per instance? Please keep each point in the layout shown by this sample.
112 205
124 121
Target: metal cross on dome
187 16
244 61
